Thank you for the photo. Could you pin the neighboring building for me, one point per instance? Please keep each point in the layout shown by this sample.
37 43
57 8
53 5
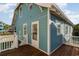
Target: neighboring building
43 26
1 26
4 27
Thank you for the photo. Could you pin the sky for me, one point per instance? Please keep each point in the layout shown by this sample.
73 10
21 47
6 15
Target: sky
71 10
6 12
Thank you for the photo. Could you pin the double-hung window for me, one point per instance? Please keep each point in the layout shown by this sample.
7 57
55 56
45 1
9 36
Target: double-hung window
66 29
20 11
24 29
58 29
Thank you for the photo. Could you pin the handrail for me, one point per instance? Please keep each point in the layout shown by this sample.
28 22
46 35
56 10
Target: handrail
8 42
74 40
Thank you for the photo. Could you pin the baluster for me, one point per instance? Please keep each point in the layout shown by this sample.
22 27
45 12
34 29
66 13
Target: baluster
10 44
7 42
78 40
0 47
5 45
73 39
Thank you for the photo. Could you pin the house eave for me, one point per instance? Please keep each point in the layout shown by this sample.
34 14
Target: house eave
52 7
60 13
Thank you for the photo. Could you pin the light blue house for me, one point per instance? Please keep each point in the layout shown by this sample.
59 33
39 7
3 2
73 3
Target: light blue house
43 26
1 26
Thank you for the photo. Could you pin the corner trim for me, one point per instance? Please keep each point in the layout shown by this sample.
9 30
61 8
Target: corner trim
48 32
56 49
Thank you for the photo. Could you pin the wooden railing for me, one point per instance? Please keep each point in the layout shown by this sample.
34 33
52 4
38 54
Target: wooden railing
8 42
74 41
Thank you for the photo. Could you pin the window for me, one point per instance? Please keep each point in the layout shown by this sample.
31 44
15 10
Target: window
69 29
58 28
20 11
66 29
35 31
24 29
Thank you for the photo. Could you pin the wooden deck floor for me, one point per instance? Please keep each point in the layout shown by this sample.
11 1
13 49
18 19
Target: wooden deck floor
27 50
66 50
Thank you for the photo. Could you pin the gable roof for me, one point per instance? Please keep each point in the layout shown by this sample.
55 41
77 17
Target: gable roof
53 7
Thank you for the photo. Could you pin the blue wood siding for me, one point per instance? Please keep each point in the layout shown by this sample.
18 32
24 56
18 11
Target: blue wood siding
55 40
29 16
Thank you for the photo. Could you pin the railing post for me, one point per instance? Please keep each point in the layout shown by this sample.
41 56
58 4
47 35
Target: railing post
0 44
0 47
15 40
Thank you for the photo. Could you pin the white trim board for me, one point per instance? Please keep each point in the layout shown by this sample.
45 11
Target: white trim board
56 49
25 36
71 45
23 27
45 51
48 32
35 22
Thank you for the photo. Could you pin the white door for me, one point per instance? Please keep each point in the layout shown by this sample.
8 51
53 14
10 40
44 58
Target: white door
25 34
35 34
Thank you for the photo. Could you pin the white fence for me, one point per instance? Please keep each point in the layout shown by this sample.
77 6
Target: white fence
74 41
8 42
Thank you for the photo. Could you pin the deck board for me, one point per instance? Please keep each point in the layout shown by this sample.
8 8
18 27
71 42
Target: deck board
27 50
66 50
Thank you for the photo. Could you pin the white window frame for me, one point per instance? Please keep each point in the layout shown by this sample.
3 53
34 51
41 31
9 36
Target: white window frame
23 28
35 22
58 24
66 29
20 11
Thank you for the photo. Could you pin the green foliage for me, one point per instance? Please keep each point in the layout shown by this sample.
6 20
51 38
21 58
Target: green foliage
6 27
76 30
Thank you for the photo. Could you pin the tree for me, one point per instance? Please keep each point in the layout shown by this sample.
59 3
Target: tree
6 27
76 30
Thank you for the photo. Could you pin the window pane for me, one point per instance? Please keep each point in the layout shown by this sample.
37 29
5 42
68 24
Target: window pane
25 30
35 31
58 29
